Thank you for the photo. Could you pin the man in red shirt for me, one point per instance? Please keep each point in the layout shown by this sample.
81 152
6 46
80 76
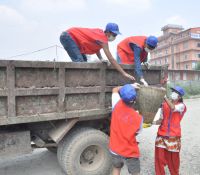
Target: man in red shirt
125 125
134 50
79 41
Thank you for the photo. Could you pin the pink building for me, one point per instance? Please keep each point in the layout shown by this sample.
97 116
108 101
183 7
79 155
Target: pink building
177 48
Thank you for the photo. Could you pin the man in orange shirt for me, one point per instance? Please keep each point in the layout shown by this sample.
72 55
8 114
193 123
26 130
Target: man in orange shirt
134 50
81 41
125 125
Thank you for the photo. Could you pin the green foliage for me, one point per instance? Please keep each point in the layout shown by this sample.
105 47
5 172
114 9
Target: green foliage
197 66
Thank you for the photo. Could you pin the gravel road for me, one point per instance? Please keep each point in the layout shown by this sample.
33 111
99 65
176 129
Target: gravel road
43 162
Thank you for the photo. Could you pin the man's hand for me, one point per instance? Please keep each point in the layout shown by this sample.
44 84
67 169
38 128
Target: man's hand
129 76
106 61
136 85
144 82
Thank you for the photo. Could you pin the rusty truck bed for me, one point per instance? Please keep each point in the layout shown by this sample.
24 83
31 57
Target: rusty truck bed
32 91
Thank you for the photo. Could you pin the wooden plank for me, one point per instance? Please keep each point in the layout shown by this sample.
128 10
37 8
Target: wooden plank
61 129
36 91
3 92
102 96
82 90
52 91
72 65
81 114
11 90
61 97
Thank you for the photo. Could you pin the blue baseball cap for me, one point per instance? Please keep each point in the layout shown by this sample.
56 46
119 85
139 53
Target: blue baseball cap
152 41
178 90
128 93
112 27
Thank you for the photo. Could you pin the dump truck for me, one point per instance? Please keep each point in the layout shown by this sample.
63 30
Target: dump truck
64 107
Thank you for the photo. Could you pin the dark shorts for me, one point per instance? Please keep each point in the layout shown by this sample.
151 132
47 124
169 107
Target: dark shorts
132 163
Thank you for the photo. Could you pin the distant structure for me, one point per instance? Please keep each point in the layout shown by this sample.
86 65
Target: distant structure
177 48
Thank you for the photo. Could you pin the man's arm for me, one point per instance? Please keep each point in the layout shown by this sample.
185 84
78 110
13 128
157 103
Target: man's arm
138 68
159 120
137 51
171 105
114 62
99 55
115 96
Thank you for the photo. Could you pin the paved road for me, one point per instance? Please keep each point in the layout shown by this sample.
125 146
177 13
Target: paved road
43 162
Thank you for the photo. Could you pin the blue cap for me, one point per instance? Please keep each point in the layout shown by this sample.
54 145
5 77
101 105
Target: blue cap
179 90
128 93
152 41
112 27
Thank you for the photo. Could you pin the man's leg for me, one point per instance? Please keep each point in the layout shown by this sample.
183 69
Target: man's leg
116 171
117 162
71 47
160 161
173 162
123 57
133 165
84 57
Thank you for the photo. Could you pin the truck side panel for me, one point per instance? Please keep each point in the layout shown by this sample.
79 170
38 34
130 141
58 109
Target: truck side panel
42 91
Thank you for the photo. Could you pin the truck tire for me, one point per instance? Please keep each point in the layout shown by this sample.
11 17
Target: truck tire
52 149
84 151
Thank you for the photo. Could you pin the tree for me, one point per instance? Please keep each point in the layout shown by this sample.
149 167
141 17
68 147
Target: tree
197 66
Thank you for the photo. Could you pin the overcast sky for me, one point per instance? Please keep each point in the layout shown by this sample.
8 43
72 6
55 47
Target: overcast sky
29 25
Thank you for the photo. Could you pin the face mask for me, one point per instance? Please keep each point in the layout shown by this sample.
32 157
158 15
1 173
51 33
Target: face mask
111 38
147 49
174 96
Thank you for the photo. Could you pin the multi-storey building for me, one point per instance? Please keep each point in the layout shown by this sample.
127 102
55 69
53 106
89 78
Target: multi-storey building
177 48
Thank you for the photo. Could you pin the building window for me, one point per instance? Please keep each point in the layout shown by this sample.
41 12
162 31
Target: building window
177 48
166 51
166 60
185 57
198 44
198 55
185 45
194 65
186 66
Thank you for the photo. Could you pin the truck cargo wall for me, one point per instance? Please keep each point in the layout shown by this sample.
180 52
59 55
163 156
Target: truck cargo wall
42 91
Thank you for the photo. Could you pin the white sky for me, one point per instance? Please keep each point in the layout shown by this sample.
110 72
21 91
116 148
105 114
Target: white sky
29 25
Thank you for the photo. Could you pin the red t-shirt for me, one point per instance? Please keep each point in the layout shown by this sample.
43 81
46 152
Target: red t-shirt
125 123
88 40
126 53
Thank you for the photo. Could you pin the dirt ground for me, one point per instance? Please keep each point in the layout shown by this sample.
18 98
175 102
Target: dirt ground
43 162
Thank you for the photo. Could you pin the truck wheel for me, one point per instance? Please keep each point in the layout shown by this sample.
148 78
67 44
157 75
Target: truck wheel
52 149
84 151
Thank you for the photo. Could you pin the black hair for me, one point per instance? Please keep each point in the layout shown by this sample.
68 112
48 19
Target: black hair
181 99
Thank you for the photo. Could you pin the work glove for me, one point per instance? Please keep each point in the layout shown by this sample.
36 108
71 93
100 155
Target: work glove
147 65
146 125
136 85
144 82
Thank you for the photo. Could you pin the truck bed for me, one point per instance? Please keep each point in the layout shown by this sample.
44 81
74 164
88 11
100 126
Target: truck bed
33 91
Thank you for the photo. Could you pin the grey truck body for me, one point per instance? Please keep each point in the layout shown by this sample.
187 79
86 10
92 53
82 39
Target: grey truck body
40 102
